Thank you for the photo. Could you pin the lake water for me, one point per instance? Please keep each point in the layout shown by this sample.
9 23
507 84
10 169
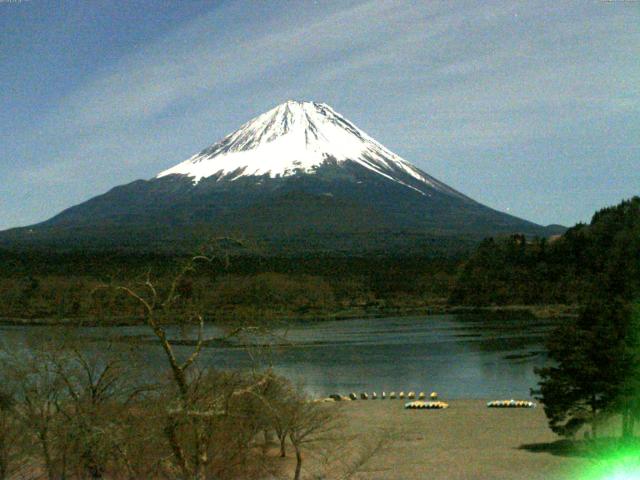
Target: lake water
471 356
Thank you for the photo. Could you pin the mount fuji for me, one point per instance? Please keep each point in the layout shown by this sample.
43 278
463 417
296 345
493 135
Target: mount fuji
299 177
297 138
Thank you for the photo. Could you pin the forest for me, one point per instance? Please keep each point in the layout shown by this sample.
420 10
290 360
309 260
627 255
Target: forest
506 271
587 258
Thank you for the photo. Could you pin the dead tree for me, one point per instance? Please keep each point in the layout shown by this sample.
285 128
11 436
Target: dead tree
10 435
190 411
310 423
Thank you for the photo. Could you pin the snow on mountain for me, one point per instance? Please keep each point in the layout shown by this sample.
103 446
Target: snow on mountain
298 137
337 190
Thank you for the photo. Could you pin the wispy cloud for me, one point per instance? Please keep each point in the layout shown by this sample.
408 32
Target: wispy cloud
421 77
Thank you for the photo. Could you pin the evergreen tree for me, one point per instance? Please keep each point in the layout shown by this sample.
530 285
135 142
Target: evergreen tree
628 395
596 360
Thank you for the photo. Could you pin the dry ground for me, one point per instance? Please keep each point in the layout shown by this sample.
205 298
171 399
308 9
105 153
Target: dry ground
465 441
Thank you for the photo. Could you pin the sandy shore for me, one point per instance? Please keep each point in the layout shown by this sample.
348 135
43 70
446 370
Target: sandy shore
465 441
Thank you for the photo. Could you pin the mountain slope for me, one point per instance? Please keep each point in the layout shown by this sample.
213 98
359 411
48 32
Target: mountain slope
298 177
294 138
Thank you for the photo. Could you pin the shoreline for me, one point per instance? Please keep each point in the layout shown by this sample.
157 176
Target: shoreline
537 312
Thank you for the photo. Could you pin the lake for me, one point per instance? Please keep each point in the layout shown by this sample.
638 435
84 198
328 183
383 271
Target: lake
459 356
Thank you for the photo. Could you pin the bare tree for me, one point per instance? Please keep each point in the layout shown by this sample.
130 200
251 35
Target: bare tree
99 387
71 401
193 407
36 384
9 436
279 401
310 423
88 414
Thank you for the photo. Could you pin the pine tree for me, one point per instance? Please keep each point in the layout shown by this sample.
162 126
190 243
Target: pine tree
628 396
595 364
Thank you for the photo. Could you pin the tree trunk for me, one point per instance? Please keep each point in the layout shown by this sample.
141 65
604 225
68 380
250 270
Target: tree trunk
200 473
203 457
283 446
625 423
298 463
594 419
95 472
92 465
44 444
178 453
628 423
4 461
267 439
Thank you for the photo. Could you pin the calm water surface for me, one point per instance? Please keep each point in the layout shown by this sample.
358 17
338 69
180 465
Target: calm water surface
470 356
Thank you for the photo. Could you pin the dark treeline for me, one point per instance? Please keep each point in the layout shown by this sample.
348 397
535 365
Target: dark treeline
503 271
40 285
569 269
104 264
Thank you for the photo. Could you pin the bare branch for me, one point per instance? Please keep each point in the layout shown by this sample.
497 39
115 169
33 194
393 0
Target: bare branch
194 355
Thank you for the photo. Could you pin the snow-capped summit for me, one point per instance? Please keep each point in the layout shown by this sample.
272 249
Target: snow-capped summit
298 137
299 178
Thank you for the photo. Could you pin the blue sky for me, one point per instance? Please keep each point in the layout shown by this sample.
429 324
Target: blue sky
529 107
